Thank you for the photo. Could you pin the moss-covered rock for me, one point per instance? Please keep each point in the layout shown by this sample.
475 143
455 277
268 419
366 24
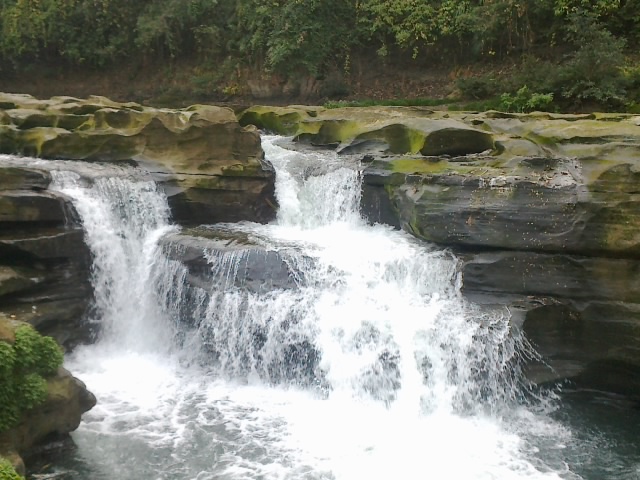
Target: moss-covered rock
545 209
373 129
38 398
8 470
283 121
26 359
178 145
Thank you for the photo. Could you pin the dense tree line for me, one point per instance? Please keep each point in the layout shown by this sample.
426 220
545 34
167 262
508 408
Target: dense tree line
314 37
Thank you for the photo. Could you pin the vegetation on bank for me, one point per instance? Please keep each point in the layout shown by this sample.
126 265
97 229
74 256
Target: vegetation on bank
566 54
25 362
7 472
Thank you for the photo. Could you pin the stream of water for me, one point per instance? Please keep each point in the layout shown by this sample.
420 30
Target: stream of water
370 365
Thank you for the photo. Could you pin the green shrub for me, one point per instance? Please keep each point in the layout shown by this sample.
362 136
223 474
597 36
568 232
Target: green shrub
23 368
478 88
7 472
525 100
593 72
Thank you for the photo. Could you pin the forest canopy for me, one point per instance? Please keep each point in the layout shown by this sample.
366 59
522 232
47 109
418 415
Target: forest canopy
582 43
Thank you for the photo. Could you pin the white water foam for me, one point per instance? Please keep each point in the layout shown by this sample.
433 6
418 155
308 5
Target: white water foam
372 367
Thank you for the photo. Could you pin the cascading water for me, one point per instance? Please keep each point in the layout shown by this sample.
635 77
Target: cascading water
368 364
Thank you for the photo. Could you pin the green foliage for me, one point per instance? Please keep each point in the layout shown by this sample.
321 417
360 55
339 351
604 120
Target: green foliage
478 87
525 101
296 36
7 472
631 76
93 32
172 27
411 25
593 71
23 366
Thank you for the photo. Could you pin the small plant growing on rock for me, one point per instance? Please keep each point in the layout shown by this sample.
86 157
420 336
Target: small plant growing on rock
7 471
24 365
525 100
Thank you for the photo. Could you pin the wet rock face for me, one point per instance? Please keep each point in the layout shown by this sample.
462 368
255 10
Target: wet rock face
225 259
211 167
44 263
581 313
544 210
219 260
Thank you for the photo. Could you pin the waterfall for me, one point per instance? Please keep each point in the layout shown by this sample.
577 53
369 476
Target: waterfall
367 364
123 221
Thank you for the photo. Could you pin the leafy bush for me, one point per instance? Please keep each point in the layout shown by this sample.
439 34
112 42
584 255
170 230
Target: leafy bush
172 27
592 73
479 87
525 100
23 368
296 37
7 471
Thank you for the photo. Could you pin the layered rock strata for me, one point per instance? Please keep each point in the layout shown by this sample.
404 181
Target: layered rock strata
543 210
211 168
44 262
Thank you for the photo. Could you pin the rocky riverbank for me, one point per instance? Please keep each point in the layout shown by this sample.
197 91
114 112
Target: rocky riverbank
210 168
542 208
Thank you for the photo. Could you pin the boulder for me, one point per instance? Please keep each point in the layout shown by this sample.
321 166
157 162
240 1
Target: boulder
65 400
221 256
12 178
14 280
36 208
580 313
211 166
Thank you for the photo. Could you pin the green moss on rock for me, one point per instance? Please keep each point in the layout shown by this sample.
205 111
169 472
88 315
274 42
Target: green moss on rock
24 364
283 121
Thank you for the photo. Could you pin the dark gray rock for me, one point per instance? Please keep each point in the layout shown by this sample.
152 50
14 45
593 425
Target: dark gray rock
580 313
230 261
44 258
12 178
36 208
561 276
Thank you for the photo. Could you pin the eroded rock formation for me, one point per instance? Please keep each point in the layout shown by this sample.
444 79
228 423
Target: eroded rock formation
44 262
542 208
212 169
